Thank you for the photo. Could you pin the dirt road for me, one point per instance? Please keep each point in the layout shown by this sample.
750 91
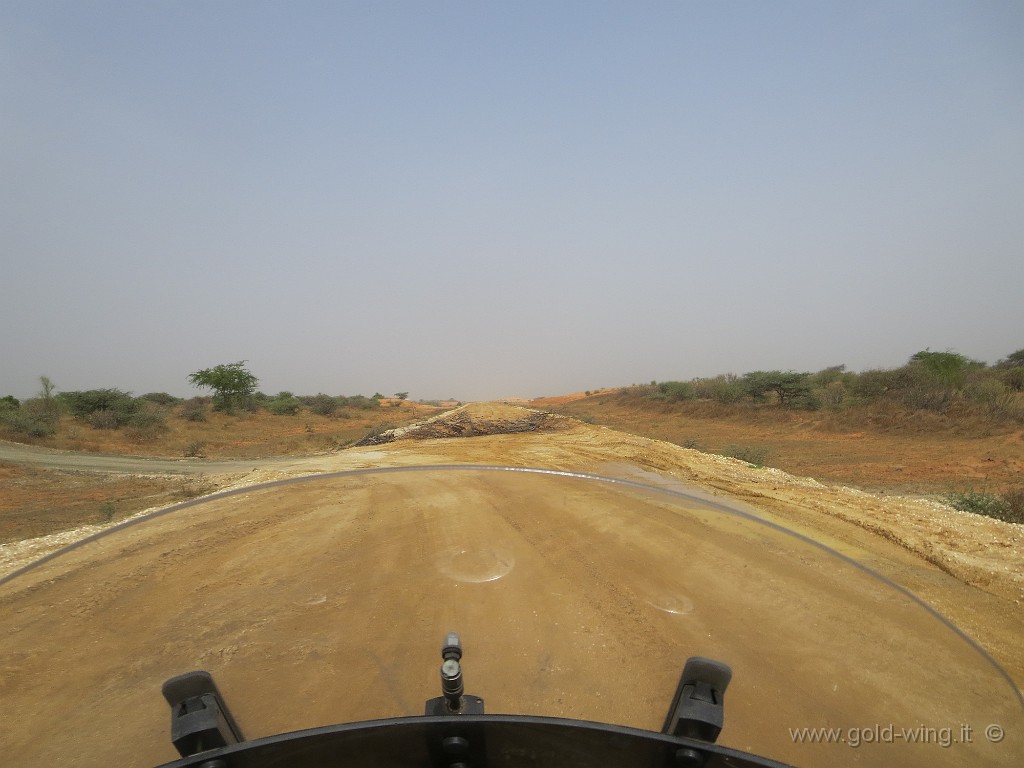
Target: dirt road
334 593
34 456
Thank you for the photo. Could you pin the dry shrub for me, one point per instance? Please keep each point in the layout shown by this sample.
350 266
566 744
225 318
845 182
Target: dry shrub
194 409
1008 506
1014 500
104 418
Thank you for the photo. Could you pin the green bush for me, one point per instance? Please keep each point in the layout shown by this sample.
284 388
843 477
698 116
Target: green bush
1009 507
83 403
36 417
159 398
103 408
33 426
870 385
724 389
285 404
925 384
674 391
321 404
949 369
944 383
827 376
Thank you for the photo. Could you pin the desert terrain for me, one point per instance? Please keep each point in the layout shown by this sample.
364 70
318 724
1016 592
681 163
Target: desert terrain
188 577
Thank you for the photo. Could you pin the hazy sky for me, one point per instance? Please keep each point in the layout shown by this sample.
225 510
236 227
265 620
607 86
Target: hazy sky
482 199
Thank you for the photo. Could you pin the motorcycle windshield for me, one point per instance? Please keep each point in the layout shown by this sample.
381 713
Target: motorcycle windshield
327 599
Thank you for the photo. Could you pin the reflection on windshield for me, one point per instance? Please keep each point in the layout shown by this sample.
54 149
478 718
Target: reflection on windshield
323 601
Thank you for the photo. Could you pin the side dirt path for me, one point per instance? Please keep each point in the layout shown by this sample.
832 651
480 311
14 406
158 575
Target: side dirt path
969 568
48 458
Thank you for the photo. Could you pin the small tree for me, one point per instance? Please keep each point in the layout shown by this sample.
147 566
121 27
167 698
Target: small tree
401 395
36 417
48 407
231 383
947 368
790 387
46 388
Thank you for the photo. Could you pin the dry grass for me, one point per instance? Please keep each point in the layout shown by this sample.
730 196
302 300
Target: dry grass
884 449
242 435
36 502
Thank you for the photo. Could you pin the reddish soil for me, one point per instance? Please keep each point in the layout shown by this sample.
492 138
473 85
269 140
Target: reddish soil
36 502
891 456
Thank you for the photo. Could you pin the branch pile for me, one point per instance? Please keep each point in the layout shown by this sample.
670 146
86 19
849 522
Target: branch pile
459 423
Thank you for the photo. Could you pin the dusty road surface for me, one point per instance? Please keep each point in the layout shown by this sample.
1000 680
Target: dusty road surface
326 600
35 456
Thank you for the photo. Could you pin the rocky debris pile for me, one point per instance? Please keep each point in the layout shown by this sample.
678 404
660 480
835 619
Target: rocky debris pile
463 423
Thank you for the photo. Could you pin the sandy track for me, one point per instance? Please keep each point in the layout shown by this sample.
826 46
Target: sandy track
325 600
177 593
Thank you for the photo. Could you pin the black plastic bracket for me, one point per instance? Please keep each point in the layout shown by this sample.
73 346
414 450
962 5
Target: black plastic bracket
698 706
200 720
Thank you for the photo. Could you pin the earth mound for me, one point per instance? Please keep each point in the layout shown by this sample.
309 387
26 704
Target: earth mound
473 420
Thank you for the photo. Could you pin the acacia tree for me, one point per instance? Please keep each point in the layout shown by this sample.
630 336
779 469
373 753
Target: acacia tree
790 387
949 369
231 383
